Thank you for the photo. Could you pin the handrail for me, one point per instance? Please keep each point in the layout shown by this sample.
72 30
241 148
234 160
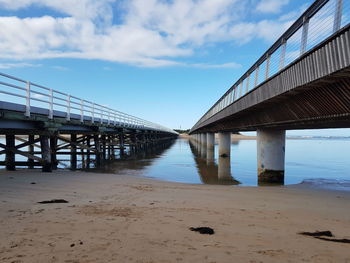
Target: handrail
322 19
87 110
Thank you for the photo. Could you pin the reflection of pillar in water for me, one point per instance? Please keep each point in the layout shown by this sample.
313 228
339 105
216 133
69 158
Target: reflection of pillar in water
224 173
210 148
203 150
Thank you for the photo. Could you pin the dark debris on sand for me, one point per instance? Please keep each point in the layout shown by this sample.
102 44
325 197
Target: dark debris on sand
203 230
54 201
326 236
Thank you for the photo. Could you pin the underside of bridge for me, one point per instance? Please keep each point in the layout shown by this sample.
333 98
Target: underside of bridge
323 103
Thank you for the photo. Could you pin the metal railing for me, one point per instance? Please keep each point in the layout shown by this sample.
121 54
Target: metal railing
16 90
322 19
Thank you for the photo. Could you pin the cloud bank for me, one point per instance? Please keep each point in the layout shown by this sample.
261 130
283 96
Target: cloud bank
153 33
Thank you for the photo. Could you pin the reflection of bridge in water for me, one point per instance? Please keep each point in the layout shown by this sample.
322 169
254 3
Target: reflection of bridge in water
209 171
136 161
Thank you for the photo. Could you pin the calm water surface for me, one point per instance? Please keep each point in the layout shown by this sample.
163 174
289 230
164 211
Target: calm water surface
309 160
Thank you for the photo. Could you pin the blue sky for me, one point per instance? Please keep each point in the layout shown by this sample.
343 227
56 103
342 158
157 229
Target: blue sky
164 61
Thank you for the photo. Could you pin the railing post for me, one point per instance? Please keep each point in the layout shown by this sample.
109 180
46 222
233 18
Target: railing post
304 36
247 86
27 99
81 110
283 54
267 67
256 76
51 104
338 14
240 89
234 93
68 108
93 113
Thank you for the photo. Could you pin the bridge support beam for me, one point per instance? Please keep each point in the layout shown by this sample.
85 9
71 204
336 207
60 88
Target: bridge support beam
210 147
224 144
271 154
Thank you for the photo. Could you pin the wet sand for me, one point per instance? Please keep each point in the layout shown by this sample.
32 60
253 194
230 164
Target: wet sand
118 218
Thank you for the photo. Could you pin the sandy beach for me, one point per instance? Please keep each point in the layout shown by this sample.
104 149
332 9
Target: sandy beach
119 218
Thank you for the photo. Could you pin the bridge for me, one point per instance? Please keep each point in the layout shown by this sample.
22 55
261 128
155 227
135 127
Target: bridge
41 124
301 82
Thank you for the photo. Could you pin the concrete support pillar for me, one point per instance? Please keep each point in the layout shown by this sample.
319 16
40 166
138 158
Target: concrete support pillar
210 147
271 154
224 144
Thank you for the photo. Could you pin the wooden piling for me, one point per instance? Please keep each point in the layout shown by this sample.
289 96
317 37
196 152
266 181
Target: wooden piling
121 145
10 155
31 151
98 150
45 153
53 146
73 156
88 143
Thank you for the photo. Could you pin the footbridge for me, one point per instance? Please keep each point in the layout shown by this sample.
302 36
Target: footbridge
40 127
301 82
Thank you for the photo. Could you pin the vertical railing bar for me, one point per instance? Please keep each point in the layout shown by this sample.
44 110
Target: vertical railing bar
283 54
338 15
240 89
93 113
247 85
256 76
267 67
304 36
81 110
51 104
68 108
27 113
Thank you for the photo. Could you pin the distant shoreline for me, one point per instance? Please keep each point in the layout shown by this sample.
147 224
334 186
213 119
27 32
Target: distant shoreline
238 137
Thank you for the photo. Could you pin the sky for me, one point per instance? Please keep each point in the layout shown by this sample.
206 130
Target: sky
166 61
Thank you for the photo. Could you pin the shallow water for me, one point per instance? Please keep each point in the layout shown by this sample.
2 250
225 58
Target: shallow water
313 162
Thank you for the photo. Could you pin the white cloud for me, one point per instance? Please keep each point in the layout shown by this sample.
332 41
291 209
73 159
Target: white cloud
18 65
271 6
152 34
